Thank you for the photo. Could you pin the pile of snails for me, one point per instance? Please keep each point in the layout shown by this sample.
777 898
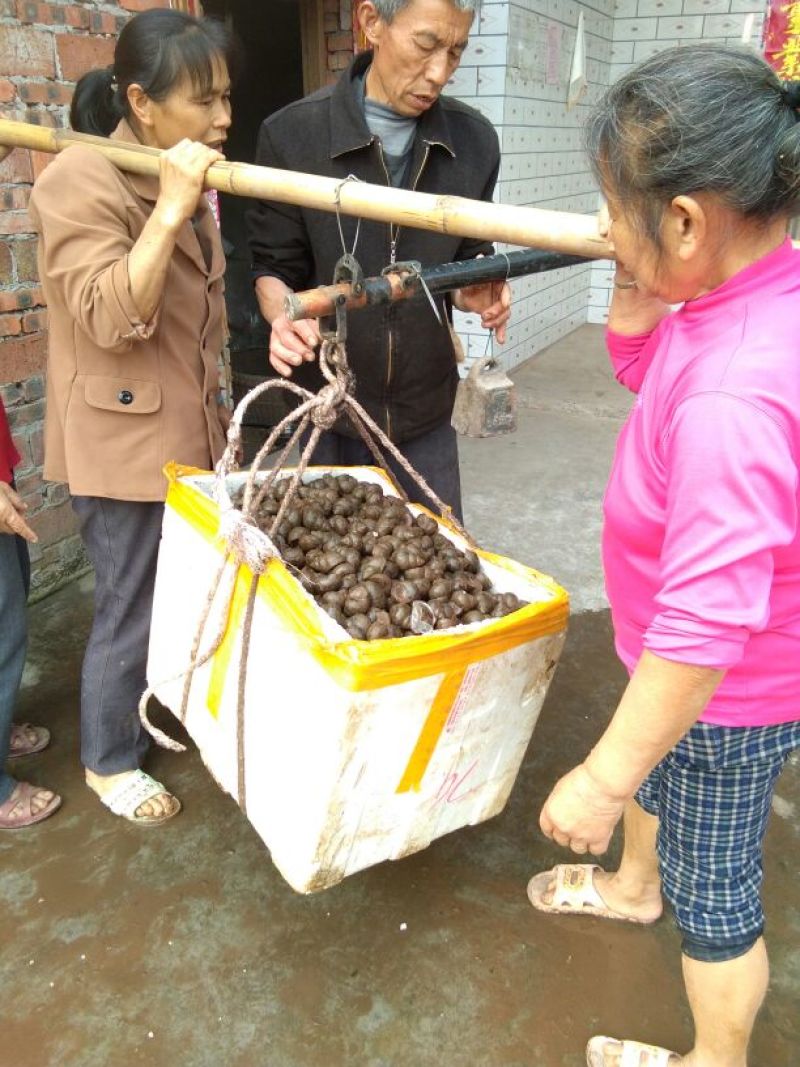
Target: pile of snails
377 569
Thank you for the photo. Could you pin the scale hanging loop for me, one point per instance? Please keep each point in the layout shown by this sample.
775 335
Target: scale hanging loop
348 270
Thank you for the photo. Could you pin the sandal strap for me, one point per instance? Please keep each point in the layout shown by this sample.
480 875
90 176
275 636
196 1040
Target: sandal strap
633 1054
633 1051
22 798
575 886
133 791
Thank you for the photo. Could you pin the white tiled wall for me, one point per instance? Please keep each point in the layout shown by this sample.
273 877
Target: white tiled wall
516 72
642 27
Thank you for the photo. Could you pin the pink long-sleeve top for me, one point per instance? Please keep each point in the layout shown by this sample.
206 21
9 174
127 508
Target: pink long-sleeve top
701 541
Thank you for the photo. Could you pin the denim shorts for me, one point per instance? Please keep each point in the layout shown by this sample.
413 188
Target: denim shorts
712 794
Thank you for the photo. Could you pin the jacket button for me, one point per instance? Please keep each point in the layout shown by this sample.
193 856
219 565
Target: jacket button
125 396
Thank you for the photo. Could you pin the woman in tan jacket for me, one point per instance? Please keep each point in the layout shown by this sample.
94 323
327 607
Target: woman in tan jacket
132 270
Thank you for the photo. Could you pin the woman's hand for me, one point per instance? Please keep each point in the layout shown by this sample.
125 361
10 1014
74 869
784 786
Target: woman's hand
12 509
580 813
182 171
662 700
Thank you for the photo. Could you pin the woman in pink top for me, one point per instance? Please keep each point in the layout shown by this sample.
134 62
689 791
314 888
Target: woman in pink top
698 154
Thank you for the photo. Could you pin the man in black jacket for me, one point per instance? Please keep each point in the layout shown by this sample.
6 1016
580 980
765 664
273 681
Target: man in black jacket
383 122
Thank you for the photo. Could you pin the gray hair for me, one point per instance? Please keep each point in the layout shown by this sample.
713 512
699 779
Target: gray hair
387 9
705 117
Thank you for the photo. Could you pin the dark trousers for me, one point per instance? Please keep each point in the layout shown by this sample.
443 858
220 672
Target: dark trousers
14 581
121 539
434 455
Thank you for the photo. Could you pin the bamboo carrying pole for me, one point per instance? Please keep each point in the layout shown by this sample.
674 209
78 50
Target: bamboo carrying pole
556 231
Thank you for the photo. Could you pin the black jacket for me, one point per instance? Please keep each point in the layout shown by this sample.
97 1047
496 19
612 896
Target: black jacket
402 357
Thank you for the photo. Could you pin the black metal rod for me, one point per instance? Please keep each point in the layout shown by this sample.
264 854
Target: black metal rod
494 268
402 284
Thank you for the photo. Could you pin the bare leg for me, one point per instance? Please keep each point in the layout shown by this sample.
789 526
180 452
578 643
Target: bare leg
725 999
636 886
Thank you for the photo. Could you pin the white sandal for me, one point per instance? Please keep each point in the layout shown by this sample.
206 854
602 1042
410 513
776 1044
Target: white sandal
634 1054
575 894
131 792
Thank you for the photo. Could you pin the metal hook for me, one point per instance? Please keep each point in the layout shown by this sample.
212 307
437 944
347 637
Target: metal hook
336 199
347 269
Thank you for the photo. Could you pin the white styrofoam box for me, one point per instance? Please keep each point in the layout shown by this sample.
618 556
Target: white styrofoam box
336 770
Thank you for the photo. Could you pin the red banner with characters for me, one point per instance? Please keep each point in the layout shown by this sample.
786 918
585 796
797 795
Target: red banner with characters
782 38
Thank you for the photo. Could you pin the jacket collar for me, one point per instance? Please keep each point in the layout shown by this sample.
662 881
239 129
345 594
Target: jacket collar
349 130
146 187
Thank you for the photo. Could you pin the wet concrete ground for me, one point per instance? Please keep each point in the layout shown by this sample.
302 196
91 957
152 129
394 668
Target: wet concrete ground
181 946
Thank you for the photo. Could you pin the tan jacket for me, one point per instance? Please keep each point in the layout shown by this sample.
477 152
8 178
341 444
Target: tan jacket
123 396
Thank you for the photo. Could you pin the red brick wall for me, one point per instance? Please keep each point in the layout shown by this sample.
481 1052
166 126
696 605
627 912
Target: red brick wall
338 24
45 46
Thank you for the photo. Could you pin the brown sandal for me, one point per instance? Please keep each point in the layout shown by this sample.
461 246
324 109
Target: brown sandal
17 812
26 739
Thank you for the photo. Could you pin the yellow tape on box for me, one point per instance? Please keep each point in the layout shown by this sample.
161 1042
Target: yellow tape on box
362 665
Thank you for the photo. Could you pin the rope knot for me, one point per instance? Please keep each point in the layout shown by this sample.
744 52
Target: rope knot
245 542
326 412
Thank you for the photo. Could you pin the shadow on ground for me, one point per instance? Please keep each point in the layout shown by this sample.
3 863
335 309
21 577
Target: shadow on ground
182 946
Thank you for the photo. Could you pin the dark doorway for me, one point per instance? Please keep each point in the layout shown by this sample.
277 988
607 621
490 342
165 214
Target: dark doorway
271 76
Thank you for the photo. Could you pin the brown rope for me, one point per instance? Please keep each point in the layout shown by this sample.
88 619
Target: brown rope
247 544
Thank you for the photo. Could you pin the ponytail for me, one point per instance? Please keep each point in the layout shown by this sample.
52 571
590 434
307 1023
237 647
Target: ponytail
95 104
